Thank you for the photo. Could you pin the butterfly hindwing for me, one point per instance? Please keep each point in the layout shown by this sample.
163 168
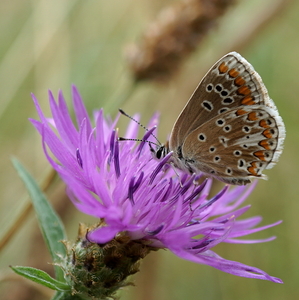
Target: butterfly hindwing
239 143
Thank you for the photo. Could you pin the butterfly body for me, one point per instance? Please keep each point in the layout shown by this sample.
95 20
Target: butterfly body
229 129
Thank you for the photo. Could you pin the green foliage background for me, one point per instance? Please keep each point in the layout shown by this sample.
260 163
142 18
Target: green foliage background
52 44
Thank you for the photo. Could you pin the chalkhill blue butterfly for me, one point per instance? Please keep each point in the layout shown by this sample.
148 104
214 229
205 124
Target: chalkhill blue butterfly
230 129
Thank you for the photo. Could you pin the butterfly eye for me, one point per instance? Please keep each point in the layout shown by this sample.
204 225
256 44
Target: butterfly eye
159 152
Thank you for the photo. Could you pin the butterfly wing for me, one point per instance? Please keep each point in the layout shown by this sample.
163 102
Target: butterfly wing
235 146
230 83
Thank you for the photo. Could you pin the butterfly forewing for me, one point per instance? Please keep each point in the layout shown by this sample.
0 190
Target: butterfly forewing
230 83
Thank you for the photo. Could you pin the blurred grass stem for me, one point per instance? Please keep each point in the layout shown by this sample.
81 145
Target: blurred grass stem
16 225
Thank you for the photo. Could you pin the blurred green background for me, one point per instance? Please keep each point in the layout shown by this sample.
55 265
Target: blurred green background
52 44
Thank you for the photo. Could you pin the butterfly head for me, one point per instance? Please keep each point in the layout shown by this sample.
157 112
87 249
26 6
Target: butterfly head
159 151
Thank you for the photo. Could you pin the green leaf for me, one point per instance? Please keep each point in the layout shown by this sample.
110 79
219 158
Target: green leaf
50 223
41 277
60 296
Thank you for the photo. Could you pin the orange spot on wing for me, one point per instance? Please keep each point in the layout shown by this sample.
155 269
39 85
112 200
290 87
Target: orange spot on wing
263 123
244 90
265 144
260 155
252 116
239 81
233 73
254 169
223 68
241 112
248 101
267 133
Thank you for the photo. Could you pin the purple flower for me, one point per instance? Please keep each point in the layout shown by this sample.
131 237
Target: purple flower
120 182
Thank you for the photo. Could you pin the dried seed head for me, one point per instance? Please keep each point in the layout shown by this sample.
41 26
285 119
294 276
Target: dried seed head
100 270
177 32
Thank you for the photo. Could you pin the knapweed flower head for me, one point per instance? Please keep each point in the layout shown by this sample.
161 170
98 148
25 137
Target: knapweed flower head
121 184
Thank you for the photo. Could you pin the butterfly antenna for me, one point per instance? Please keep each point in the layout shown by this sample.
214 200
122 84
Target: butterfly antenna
138 140
142 126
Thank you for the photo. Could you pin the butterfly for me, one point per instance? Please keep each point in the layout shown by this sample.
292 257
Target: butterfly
229 129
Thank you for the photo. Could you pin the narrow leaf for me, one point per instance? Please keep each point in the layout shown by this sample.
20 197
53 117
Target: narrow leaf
58 296
68 296
41 277
50 223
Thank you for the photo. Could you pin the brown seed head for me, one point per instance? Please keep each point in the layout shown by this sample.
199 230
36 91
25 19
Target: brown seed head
177 32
